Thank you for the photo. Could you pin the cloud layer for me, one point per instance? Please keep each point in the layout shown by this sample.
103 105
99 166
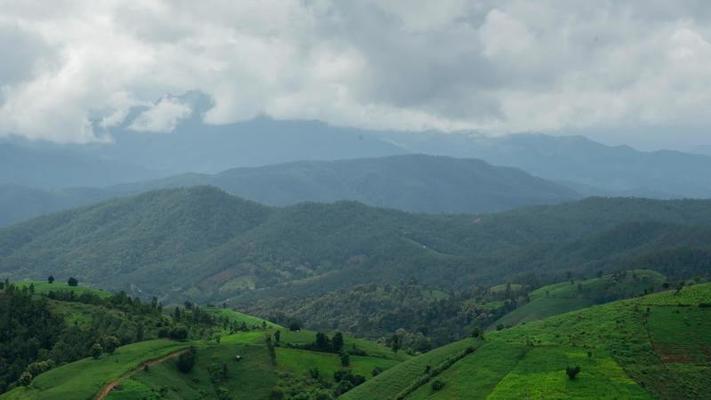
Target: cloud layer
74 68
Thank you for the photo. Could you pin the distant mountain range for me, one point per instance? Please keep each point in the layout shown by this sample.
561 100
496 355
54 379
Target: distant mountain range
584 165
417 183
203 244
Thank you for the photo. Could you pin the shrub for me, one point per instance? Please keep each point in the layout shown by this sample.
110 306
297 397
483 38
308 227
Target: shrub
186 360
572 372
345 359
25 379
110 344
72 282
178 333
437 385
96 350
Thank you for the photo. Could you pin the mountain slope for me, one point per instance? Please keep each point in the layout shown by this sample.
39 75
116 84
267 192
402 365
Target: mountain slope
204 244
649 347
412 183
52 328
587 166
416 183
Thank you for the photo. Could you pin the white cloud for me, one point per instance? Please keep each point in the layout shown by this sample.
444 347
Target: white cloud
162 117
497 67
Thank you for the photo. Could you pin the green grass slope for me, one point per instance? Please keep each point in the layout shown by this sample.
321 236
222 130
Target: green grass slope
217 373
569 296
83 379
656 346
400 378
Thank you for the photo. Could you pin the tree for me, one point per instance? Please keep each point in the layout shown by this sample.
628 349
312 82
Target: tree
277 336
186 360
476 332
96 350
140 332
322 342
25 379
270 349
345 359
110 343
395 343
178 333
50 279
294 325
337 342
72 282
572 372
176 314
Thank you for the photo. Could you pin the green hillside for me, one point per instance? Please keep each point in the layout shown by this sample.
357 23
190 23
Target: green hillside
203 245
654 346
50 332
572 295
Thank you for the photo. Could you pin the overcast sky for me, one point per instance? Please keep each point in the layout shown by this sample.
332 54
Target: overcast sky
636 72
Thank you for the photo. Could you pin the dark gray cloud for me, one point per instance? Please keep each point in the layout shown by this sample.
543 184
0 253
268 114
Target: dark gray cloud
615 70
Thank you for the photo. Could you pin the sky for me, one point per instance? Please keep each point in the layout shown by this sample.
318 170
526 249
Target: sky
635 72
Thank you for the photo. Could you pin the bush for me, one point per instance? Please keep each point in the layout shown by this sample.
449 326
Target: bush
73 282
178 333
186 360
377 371
572 372
96 350
345 359
437 385
110 344
25 379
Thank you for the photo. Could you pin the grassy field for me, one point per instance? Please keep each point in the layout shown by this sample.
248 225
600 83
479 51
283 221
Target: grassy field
566 296
238 317
84 378
251 378
657 346
254 376
395 380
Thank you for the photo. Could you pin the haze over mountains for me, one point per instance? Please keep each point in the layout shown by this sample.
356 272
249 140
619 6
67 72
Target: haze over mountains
39 177
417 183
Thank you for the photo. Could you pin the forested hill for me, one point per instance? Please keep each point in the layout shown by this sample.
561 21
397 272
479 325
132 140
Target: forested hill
417 183
204 244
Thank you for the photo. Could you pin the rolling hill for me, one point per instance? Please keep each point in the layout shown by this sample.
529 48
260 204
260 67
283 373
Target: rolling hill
654 346
145 367
417 183
204 245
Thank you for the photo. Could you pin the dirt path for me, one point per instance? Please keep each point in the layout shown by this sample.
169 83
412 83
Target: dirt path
111 385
